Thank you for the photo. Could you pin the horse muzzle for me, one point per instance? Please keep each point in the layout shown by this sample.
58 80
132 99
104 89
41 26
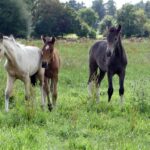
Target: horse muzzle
108 53
44 65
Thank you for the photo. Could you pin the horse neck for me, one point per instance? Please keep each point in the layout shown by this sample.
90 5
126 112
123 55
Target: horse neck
9 53
52 57
119 48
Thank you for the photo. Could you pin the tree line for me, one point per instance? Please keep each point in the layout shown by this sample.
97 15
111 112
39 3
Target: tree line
25 18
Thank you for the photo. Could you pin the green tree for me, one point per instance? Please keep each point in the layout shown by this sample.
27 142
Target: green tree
141 4
140 21
54 18
83 30
106 23
98 7
75 5
14 18
147 28
89 16
30 4
132 20
111 8
147 9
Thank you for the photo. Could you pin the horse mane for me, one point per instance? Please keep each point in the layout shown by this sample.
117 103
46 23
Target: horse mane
112 29
12 39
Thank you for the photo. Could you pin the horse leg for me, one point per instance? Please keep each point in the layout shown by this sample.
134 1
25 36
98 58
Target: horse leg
54 90
27 87
110 88
43 93
99 79
92 76
46 89
121 84
9 87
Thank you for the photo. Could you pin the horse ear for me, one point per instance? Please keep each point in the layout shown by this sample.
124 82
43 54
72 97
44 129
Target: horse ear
119 28
1 37
53 40
43 38
12 37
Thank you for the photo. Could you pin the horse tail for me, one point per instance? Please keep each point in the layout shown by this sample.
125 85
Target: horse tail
33 79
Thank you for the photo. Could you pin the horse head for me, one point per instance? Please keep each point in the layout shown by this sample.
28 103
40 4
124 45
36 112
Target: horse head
113 38
47 50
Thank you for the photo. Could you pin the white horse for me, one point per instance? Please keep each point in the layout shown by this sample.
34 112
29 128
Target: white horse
22 62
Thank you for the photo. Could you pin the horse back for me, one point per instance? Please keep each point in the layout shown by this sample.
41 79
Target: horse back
97 55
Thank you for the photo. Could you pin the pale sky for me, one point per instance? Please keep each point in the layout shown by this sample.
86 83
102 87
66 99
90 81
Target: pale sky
119 3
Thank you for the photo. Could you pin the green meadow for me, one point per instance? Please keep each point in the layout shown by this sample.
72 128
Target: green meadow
78 122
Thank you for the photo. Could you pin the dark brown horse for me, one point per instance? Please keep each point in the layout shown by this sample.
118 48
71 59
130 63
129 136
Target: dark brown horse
109 56
51 63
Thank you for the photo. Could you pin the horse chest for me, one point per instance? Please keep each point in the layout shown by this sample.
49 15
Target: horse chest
48 73
115 65
51 71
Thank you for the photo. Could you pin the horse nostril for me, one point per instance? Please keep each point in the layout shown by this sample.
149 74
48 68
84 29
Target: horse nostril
44 65
108 54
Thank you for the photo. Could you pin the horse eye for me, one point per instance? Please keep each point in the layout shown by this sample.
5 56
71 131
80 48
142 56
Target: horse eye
115 39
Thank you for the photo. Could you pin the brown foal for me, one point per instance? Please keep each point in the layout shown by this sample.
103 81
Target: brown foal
51 63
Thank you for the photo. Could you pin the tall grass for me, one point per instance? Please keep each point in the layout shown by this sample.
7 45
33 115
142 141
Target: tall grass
77 123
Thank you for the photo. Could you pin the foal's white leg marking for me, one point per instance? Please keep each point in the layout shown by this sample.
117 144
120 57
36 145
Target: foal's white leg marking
90 89
43 93
6 104
27 87
8 90
98 94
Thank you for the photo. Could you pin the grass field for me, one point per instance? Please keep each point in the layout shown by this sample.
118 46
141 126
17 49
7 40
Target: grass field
79 123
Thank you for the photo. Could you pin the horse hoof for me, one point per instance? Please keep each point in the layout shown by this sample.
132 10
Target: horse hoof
27 98
108 100
50 107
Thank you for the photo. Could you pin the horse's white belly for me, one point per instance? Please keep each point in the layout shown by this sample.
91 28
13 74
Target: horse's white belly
27 62
31 63
14 71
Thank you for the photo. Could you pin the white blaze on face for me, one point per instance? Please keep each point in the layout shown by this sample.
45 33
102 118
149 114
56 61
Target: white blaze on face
110 48
47 47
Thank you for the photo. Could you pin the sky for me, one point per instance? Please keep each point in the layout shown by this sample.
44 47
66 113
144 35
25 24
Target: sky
119 3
